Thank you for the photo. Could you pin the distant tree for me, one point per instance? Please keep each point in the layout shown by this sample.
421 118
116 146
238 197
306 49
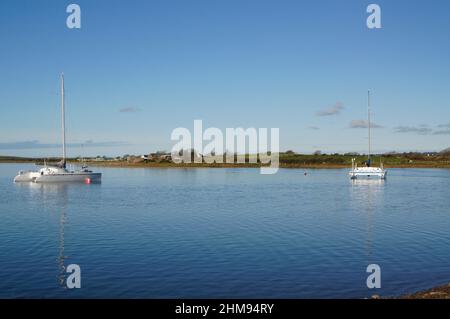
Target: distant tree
317 153
446 151
290 152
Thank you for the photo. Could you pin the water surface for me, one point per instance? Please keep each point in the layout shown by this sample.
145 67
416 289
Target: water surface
202 233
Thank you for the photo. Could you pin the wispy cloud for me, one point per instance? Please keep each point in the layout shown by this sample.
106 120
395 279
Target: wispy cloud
442 132
363 124
129 109
312 127
334 110
422 130
35 144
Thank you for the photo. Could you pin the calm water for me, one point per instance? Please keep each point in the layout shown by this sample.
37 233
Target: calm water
225 233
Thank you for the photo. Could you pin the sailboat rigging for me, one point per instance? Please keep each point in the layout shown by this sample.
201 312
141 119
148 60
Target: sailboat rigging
59 172
368 170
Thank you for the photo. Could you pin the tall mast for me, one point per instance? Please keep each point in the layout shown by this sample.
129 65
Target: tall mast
63 120
368 122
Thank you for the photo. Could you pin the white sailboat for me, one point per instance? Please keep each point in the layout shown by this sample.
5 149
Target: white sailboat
368 170
59 172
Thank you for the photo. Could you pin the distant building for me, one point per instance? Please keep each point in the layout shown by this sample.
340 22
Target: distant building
134 159
159 156
351 154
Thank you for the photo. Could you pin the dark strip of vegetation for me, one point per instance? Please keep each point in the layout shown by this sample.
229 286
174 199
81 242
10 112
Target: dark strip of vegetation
287 159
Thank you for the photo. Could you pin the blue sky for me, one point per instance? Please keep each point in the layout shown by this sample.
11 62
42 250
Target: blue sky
138 69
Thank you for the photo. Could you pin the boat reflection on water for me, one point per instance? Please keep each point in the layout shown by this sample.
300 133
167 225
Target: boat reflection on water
375 185
62 256
55 197
365 194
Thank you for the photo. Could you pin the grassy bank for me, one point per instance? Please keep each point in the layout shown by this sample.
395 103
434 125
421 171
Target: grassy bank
287 160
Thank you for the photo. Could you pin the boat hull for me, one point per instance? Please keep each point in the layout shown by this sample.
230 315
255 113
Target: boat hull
378 173
26 177
82 177
58 175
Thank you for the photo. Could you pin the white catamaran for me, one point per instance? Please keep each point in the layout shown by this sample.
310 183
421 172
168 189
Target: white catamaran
368 170
59 172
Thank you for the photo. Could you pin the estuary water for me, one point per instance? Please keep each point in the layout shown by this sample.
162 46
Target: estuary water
204 233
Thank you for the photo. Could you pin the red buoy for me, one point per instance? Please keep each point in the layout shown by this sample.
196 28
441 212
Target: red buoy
87 180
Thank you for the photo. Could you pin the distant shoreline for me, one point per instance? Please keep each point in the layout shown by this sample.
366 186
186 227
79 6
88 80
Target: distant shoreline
123 164
286 160
247 165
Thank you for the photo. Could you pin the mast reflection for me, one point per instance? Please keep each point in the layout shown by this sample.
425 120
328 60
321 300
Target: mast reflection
54 197
365 194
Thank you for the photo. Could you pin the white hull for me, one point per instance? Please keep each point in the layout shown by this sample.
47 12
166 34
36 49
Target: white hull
70 177
368 172
26 177
37 177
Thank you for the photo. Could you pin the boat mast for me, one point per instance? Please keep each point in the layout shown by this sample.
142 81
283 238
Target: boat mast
368 123
63 119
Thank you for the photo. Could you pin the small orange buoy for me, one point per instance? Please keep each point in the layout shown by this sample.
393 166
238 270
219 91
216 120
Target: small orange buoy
87 180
